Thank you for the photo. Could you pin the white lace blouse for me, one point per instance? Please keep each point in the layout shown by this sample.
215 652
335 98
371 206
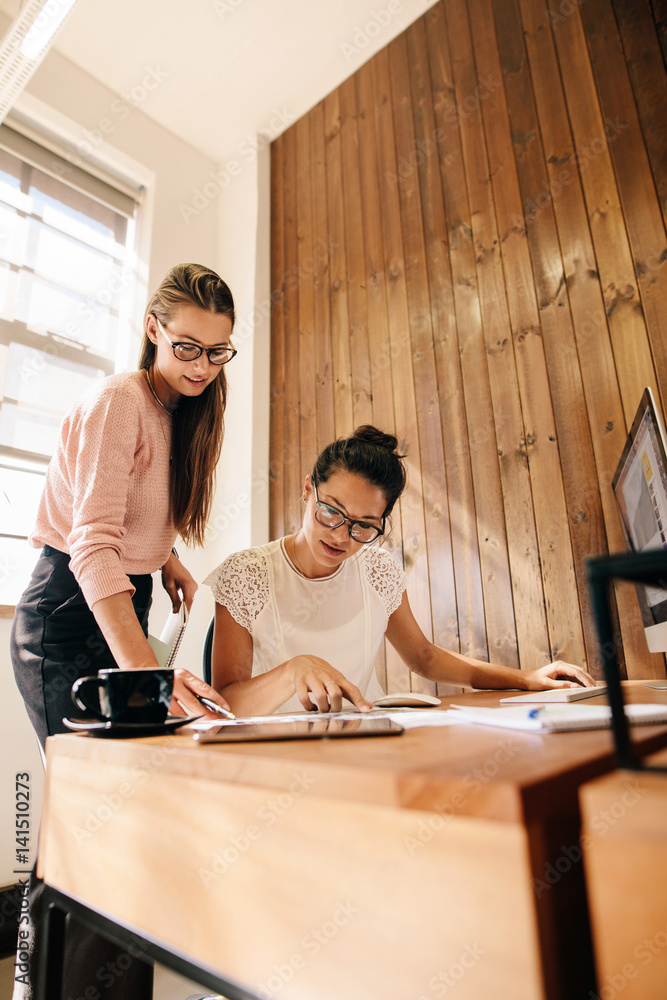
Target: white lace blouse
341 618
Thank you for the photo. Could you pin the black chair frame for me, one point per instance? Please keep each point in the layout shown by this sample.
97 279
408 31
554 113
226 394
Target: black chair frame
50 961
649 569
207 652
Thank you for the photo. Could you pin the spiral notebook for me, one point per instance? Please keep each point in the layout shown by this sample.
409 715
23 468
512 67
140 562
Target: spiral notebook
167 646
560 718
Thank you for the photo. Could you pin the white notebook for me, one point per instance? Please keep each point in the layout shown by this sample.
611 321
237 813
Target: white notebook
560 718
557 695
166 647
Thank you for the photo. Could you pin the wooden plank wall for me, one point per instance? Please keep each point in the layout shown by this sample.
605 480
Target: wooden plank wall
468 250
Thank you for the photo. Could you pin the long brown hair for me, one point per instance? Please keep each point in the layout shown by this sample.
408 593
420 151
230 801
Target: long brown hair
198 424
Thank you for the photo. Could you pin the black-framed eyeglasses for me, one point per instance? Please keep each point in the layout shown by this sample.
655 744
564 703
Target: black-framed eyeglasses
331 517
190 352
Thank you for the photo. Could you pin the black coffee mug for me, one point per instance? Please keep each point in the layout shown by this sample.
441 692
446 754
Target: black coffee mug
141 696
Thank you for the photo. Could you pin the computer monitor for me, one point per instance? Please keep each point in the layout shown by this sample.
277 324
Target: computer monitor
640 488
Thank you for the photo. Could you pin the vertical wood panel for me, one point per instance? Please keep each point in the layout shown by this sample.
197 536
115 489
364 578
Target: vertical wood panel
585 535
405 62
471 254
593 347
636 187
405 406
306 263
593 139
362 404
646 66
540 441
478 480
659 10
633 362
277 375
324 377
379 345
451 597
290 453
340 322
526 630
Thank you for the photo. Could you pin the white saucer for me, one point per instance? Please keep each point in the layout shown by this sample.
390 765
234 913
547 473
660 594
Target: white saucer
99 728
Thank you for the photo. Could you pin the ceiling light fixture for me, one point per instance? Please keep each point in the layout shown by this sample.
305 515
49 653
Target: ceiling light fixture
25 44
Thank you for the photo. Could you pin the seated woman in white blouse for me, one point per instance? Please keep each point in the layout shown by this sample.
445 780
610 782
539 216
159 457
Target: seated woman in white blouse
299 622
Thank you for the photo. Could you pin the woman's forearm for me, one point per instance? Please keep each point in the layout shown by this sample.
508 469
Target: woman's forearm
453 668
492 675
316 683
120 627
130 649
259 695
444 666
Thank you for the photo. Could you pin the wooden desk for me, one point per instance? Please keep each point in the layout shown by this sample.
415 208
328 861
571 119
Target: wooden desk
625 859
389 868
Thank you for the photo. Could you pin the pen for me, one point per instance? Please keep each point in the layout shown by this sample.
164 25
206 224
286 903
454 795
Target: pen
215 707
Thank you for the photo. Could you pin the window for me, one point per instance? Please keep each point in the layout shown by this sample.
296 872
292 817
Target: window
67 242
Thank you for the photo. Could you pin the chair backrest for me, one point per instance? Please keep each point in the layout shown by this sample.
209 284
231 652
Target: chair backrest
207 651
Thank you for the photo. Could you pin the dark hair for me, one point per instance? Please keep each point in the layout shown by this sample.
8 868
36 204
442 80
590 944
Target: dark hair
368 453
198 424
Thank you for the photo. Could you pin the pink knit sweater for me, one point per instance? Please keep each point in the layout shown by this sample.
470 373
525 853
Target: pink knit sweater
106 497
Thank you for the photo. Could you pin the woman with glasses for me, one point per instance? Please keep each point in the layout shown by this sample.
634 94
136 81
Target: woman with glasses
133 468
299 622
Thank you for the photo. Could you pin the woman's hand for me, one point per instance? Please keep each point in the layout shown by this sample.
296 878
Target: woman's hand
320 686
184 701
175 578
557 675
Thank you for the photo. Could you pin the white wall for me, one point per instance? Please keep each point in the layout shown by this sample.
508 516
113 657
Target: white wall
240 513
179 170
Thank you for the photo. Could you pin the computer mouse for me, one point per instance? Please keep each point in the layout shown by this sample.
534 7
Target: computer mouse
407 699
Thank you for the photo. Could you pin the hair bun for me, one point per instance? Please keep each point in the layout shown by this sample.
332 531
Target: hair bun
370 454
371 435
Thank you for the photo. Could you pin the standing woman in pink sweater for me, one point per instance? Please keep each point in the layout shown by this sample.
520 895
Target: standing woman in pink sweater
134 467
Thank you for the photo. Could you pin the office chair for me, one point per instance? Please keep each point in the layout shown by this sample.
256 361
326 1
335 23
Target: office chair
207 652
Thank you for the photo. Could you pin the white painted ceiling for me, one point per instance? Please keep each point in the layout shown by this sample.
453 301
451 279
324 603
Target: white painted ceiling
222 70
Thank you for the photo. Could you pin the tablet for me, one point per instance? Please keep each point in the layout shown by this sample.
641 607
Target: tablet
303 729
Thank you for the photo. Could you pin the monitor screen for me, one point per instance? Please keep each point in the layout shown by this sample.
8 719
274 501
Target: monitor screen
640 488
